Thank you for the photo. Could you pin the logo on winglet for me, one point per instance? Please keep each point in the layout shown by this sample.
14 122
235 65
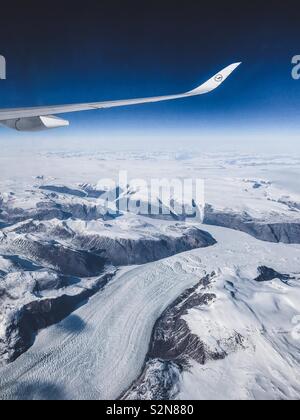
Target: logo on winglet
219 78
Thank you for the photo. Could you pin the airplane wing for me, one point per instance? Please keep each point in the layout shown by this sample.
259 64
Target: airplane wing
39 118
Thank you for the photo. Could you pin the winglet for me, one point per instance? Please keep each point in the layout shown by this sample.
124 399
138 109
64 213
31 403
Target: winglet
215 81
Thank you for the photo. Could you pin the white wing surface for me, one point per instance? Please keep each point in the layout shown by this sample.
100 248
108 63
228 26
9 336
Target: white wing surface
37 118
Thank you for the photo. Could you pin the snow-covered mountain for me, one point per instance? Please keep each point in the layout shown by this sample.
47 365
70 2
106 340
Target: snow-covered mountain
97 304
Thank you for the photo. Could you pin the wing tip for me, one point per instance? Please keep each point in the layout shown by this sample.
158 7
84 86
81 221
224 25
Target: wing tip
216 80
235 65
226 72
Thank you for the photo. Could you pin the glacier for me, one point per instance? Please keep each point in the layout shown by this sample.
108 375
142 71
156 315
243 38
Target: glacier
96 305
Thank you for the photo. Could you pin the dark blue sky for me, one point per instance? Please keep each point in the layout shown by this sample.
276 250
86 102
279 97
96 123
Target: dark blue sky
65 52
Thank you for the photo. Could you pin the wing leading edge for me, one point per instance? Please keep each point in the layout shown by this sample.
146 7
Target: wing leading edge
9 117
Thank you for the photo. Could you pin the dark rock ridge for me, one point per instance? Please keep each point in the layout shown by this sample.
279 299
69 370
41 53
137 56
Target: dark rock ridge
20 333
21 264
172 346
51 208
172 339
268 274
84 253
292 205
53 255
61 189
84 191
160 381
284 232
123 251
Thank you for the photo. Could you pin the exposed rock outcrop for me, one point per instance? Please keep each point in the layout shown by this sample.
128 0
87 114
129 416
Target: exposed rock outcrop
285 232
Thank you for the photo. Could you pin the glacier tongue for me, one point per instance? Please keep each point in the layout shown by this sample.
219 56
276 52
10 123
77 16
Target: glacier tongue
50 266
103 359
